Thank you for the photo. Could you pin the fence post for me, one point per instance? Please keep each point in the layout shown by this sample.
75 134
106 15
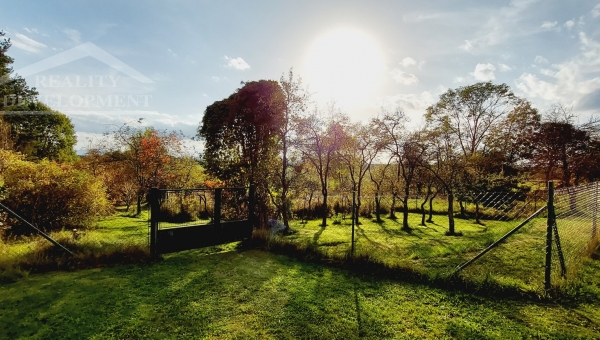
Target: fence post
217 207
550 222
595 211
353 219
154 217
252 205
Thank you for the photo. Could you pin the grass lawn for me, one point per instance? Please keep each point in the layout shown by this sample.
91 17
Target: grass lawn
519 262
259 295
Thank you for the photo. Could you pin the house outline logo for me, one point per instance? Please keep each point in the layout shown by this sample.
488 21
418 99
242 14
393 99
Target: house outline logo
87 49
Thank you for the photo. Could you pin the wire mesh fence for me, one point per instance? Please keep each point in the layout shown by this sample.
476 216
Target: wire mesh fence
421 242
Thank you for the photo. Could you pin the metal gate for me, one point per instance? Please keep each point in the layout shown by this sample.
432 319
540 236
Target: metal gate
183 219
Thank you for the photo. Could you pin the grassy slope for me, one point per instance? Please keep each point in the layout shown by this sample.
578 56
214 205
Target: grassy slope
255 294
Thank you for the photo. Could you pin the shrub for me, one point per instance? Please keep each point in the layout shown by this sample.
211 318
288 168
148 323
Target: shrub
50 195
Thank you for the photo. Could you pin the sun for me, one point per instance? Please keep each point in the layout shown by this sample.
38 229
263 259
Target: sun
344 64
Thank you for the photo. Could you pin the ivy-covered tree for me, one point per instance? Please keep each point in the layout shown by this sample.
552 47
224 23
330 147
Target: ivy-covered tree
242 135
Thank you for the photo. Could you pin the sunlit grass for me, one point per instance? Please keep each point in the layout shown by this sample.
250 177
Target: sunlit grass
258 295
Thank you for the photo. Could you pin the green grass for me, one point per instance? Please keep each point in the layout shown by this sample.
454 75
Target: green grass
120 238
258 295
517 263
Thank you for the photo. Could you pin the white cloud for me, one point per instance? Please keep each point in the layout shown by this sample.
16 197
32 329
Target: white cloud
72 34
484 72
570 80
504 68
236 63
405 78
217 79
569 24
467 46
408 61
540 60
27 44
172 53
596 11
548 25
32 30
459 79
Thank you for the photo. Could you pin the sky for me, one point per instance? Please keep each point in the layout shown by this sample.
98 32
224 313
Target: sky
110 63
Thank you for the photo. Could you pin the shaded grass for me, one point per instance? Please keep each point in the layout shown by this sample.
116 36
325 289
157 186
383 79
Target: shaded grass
258 295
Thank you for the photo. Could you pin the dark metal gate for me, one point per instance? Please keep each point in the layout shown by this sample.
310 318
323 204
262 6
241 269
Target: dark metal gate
183 219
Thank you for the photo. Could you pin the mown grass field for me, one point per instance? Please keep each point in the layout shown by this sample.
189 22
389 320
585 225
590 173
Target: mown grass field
519 262
258 295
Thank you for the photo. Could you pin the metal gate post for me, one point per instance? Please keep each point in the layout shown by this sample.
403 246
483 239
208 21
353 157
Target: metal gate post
217 207
154 214
549 223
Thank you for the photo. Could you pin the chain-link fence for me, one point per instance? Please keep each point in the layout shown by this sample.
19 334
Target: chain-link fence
512 224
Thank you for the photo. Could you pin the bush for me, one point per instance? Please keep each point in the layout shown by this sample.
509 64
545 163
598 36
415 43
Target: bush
49 195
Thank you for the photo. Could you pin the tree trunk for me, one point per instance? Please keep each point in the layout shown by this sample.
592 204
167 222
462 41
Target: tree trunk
477 220
430 219
451 214
324 223
377 207
393 207
463 212
405 214
139 205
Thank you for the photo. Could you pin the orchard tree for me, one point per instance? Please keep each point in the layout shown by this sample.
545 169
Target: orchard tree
358 148
319 140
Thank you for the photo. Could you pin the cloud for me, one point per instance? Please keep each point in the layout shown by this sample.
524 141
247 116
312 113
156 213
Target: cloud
570 81
484 72
504 24
459 79
540 60
569 24
596 11
467 46
504 68
236 63
72 34
405 78
25 43
172 53
408 61
32 30
549 25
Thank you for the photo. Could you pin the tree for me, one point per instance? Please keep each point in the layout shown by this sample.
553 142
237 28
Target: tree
241 135
149 155
40 132
13 89
27 126
446 165
295 101
358 149
470 112
560 149
318 141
